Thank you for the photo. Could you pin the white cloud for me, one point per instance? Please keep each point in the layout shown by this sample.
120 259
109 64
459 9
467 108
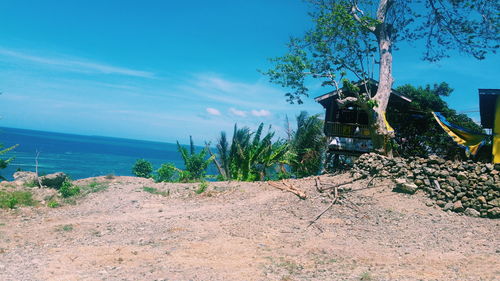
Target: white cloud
76 64
261 113
213 111
237 112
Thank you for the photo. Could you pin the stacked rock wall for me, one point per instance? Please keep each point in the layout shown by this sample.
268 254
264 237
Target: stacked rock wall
469 187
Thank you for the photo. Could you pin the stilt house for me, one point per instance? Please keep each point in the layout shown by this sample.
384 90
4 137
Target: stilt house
347 127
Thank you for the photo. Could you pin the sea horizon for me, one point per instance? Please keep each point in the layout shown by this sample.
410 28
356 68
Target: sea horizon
81 156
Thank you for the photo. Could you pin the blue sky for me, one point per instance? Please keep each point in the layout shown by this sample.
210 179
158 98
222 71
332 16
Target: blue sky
164 70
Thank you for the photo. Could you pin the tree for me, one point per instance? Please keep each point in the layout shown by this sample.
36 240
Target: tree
307 146
417 132
5 162
195 164
349 37
249 154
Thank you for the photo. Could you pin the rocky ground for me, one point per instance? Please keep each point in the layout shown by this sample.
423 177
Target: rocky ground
246 231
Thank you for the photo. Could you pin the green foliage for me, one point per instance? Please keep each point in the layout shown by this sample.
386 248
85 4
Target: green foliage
142 168
53 204
308 146
417 132
68 189
195 163
5 162
249 155
345 35
202 187
166 173
153 190
10 199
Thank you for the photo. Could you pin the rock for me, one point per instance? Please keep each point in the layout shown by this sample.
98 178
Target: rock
448 206
406 187
419 182
458 207
400 181
54 180
471 212
494 213
461 176
495 202
440 203
24 177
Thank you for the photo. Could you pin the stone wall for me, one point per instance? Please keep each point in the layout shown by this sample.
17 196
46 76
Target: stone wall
469 187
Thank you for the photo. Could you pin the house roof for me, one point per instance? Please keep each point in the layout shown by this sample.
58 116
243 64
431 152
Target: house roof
360 83
487 106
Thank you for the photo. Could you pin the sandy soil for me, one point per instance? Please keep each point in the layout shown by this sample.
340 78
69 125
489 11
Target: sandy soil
246 231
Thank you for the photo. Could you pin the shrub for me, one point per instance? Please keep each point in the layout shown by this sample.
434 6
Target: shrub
68 189
142 168
53 204
55 180
166 173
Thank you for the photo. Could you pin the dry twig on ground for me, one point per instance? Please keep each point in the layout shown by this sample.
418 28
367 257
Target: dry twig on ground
290 188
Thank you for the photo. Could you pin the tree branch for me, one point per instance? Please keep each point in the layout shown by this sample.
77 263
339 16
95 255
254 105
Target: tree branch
354 12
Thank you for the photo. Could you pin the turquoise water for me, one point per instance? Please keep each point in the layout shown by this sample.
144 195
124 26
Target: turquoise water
82 156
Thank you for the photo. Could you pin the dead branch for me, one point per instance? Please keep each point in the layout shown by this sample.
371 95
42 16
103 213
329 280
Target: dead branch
299 192
289 188
327 208
36 169
222 172
318 185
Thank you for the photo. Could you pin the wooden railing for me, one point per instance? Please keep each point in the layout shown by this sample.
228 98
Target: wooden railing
348 130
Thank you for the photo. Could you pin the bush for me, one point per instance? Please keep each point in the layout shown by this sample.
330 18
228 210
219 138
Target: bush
166 173
142 168
68 189
55 180
53 204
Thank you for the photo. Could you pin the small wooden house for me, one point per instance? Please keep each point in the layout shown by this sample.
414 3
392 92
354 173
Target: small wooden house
347 127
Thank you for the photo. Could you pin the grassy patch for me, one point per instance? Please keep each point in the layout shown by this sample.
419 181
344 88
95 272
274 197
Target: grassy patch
30 184
65 228
153 190
93 187
10 199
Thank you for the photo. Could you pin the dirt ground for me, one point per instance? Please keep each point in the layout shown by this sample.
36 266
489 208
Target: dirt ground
246 231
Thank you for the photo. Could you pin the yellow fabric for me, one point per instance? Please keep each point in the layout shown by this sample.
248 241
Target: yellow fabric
389 128
463 138
496 134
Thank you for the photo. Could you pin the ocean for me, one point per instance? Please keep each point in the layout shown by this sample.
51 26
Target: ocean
82 156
